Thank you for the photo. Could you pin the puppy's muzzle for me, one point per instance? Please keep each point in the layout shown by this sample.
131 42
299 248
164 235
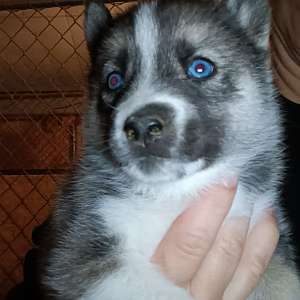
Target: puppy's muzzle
150 131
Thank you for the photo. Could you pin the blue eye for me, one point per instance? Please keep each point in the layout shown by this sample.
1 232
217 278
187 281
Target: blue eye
201 68
115 81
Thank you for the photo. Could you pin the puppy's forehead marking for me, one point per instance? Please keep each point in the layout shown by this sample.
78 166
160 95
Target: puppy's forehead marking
146 37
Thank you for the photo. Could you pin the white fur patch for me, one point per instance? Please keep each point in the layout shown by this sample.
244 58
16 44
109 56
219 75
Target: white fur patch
146 37
245 14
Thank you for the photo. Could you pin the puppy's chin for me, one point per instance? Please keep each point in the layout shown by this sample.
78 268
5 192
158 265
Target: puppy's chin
160 170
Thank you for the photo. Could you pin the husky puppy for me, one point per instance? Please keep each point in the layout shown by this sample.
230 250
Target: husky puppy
181 97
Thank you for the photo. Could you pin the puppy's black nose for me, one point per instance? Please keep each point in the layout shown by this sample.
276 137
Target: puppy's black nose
142 130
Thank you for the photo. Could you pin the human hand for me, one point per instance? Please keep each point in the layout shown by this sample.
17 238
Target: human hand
214 259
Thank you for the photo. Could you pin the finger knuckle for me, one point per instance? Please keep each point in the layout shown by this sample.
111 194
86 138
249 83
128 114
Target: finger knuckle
257 267
230 247
194 244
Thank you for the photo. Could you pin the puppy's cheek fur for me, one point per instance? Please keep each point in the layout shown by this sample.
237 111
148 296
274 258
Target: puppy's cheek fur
203 140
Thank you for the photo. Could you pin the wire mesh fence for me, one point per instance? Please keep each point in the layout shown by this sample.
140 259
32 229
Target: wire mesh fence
43 62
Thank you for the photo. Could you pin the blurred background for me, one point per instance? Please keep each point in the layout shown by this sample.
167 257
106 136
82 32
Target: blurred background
43 66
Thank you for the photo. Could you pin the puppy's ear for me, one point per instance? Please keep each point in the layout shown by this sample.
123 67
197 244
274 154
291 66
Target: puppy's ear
97 19
254 16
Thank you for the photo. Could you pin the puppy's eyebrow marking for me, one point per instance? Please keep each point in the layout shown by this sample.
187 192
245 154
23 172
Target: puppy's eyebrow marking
146 37
184 49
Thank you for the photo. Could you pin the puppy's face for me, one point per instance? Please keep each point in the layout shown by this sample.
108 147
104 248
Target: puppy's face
166 78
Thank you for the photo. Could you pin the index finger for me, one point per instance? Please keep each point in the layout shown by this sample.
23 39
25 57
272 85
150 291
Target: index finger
192 234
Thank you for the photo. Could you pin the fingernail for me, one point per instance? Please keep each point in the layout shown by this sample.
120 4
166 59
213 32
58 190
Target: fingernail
230 182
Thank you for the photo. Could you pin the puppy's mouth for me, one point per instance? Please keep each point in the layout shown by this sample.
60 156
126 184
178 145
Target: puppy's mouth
150 169
151 163
152 152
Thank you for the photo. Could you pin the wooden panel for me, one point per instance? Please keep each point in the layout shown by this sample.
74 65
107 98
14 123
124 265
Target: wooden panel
32 145
42 103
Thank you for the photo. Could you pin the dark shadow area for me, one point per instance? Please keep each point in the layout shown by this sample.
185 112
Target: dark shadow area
291 186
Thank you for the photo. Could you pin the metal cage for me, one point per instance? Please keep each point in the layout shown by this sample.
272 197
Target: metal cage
43 62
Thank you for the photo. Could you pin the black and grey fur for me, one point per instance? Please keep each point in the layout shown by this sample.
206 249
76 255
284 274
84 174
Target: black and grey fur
126 191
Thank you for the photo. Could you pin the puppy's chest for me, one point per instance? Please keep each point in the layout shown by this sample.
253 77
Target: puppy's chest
141 215
141 222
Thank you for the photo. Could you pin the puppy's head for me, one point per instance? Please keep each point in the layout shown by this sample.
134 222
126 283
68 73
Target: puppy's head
172 82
